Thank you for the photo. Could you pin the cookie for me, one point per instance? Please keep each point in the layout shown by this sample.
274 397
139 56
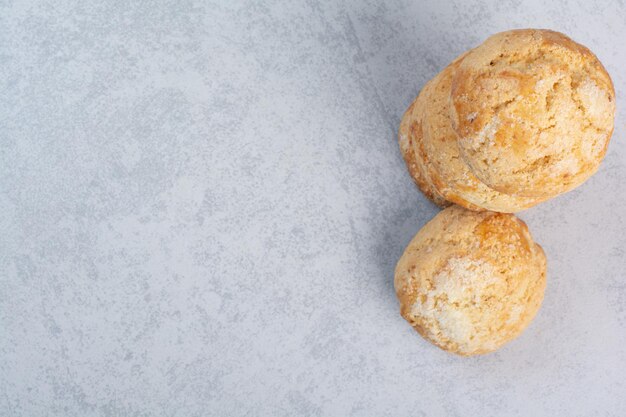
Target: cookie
469 282
534 112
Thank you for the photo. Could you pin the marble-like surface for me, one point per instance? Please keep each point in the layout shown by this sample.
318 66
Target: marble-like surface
202 204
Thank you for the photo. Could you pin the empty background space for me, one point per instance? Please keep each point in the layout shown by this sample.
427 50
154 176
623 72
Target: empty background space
202 205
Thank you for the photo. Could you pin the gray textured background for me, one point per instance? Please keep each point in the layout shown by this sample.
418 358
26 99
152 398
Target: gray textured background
201 207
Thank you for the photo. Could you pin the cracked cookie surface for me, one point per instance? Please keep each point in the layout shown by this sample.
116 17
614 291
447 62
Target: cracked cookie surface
448 172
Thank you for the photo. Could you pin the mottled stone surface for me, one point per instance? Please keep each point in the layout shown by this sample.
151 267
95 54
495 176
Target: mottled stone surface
201 207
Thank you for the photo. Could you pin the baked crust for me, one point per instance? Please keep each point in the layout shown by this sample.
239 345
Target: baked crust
409 139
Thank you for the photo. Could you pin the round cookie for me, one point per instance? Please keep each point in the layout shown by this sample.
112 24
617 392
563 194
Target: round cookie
469 282
409 137
534 112
448 172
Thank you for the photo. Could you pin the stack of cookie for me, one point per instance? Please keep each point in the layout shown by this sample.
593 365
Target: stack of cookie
522 118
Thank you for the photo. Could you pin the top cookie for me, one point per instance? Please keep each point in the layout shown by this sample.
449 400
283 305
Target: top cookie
534 112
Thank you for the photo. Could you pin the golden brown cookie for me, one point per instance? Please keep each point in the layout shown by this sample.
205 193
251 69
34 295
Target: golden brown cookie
534 112
469 281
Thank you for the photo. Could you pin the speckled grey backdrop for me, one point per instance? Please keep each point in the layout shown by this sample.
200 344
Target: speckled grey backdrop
201 207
